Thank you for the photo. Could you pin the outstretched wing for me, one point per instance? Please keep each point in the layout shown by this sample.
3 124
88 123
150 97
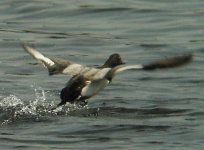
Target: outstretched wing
58 65
169 62
47 62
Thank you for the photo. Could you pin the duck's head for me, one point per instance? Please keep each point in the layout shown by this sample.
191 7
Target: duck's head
113 61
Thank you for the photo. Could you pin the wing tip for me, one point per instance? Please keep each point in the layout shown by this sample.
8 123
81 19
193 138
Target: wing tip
170 62
25 46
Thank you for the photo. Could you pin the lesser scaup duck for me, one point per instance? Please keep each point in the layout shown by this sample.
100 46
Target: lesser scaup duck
88 81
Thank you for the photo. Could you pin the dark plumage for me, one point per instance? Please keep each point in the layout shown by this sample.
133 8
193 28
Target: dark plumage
72 90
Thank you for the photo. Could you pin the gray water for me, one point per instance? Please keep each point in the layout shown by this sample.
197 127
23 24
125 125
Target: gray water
139 110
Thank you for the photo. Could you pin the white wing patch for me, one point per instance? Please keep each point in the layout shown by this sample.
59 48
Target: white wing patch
37 55
130 67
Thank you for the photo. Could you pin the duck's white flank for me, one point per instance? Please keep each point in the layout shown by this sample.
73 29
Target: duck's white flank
94 87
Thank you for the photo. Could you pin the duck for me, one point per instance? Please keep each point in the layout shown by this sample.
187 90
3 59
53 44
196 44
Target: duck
87 82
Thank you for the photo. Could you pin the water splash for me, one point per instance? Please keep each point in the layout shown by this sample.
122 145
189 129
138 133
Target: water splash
10 101
39 94
6 108
14 109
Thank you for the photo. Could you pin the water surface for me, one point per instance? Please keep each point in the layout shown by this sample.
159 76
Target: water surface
139 110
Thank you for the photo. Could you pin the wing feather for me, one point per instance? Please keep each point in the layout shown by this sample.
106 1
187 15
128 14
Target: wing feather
169 62
38 56
58 65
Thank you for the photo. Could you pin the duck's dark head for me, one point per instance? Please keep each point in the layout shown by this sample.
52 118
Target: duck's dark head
113 61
